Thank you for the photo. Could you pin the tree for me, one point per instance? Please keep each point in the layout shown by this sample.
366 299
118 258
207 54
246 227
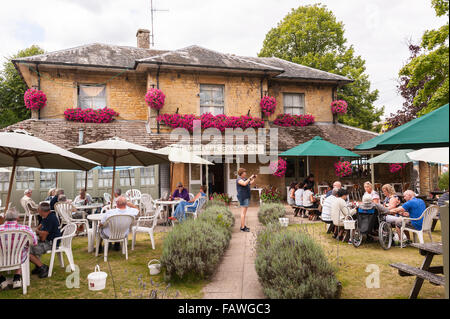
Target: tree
12 89
311 35
429 71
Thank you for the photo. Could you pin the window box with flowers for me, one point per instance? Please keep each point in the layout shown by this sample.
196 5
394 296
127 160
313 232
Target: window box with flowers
104 115
287 120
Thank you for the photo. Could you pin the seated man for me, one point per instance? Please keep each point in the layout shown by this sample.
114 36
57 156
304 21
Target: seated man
326 208
122 208
27 201
180 213
336 185
83 198
180 193
11 218
413 208
339 210
117 194
46 231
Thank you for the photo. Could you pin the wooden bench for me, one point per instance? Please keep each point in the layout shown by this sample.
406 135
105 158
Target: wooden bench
429 275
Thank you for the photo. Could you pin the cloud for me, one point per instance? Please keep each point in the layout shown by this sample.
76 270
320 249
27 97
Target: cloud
377 28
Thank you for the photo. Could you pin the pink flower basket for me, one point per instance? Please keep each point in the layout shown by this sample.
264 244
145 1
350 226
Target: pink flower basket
104 115
155 98
278 168
343 169
339 107
396 167
34 99
268 105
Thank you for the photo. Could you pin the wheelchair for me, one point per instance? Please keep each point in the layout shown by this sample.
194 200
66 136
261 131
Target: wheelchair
371 225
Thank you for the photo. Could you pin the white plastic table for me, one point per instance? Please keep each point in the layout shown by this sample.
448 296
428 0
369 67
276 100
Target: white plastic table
95 219
259 190
166 204
82 208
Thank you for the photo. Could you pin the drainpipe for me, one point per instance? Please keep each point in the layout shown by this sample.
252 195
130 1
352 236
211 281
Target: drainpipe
39 86
333 97
157 86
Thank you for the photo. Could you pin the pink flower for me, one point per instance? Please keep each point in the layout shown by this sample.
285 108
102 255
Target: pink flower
339 107
268 105
34 99
104 115
155 98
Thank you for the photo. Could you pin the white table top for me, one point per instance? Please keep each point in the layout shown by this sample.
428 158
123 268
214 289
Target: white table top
95 217
90 206
256 189
167 202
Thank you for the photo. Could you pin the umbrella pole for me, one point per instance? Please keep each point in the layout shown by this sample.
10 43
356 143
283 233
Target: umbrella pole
56 180
113 180
207 182
85 180
171 178
129 177
11 179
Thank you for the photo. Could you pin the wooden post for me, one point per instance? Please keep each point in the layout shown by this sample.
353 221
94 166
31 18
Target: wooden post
86 181
372 172
56 180
11 179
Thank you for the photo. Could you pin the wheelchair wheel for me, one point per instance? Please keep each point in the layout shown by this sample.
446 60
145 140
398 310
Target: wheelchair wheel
357 237
385 235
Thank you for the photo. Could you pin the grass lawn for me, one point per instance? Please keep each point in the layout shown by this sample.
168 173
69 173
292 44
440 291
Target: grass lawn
351 270
131 277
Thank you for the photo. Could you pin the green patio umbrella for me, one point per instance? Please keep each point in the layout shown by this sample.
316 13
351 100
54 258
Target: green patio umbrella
317 146
391 157
430 130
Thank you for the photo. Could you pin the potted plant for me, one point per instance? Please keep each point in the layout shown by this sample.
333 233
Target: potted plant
338 107
34 100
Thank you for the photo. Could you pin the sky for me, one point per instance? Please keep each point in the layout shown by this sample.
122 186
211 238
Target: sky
378 29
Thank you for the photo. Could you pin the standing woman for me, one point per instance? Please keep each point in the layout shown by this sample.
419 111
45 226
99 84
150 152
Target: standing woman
243 194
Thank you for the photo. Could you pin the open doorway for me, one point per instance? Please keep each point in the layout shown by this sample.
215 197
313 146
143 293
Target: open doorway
216 178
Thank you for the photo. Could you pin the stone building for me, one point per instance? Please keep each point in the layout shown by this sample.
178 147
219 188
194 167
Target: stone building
195 80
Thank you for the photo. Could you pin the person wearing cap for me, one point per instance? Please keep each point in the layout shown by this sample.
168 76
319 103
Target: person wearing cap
11 217
180 193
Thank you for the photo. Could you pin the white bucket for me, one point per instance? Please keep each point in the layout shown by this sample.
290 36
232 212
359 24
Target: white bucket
154 268
349 224
97 279
284 221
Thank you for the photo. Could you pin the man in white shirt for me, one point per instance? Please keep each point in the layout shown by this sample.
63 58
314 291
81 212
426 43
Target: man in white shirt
327 204
339 211
123 209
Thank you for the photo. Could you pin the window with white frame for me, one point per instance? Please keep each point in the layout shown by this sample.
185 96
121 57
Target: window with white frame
105 178
125 176
4 181
91 96
47 180
212 99
148 176
24 180
294 103
80 178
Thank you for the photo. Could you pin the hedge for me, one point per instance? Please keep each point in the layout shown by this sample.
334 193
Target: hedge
290 265
270 212
194 248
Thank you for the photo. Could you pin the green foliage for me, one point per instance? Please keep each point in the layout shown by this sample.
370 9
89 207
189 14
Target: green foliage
193 249
270 212
290 265
310 35
12 89
443 181
432 67
214 202
222 197
270 195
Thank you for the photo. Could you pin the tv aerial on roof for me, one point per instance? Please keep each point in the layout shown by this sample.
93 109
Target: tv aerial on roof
152 10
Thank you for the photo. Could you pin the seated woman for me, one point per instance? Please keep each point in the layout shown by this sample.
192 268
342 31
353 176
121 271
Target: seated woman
50 194
391 199
369 190
299 198
291 195
308 199
180 213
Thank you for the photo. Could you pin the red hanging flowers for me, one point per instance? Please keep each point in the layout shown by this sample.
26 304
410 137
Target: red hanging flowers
339 107
34 99
155 98
287 120
278 168
268 105
105 115
343 169
396 167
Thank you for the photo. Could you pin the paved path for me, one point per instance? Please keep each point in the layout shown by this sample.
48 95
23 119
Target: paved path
236 276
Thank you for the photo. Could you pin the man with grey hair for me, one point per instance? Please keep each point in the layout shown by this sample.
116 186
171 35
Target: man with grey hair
123 209
336 185
27 201
413 208
11 224
327 204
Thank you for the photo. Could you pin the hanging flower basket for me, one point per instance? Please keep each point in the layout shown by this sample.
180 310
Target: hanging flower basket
268 105
105 115
155 98
339 107
278 168
396 167
34 99
343 169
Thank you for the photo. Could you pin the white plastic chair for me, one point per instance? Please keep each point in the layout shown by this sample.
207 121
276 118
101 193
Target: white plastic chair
64 247
28 214
134 196
12 243
107 198
64 212
147 204
140 228
118 226
191 196
200 202
427 215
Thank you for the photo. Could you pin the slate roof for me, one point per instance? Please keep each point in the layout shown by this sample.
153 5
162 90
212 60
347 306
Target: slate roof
113 56
65 134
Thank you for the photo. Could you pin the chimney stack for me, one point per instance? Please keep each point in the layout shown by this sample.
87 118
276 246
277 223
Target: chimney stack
143 38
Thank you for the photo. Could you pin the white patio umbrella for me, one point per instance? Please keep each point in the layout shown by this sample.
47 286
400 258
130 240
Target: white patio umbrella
430 155
118 152
22 149
178 154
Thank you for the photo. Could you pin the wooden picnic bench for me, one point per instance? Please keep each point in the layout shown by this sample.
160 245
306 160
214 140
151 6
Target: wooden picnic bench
425 272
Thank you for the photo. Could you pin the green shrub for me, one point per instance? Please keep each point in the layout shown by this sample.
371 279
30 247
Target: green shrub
443 181
214 202
270 212
290 265
194 247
